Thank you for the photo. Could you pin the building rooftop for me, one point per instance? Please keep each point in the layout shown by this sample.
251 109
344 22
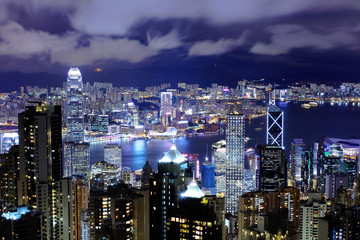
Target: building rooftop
193 191
173 155
15 215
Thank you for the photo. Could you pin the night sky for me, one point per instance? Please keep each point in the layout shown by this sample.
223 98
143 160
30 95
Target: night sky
139 43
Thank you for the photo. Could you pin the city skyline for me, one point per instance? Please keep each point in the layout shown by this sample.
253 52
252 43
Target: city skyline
212 120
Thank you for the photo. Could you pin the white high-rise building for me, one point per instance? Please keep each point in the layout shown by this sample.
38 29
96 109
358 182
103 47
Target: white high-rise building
235 146
166 103
74 106
112 154
219 160
310 214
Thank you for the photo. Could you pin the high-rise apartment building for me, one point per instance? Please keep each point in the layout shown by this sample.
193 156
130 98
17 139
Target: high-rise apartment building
9 175
74 106
62 210
235 146
269 215
40 184
310 213
271 172
80 196
166 103
40 152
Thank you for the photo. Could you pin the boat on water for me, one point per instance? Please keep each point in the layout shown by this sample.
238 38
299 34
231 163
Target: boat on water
305 105
313 104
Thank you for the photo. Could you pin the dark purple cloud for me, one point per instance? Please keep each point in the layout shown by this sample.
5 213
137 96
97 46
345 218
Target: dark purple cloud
86 33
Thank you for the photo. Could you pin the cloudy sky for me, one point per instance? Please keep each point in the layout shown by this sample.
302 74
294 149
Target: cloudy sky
302 40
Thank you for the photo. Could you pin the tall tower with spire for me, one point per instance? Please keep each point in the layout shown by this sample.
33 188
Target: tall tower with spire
274 124
74 106
76 151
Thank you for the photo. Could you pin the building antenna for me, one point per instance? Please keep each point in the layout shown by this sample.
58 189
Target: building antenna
206 156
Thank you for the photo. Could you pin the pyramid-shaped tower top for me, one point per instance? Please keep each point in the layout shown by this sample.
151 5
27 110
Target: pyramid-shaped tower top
193 191
173 155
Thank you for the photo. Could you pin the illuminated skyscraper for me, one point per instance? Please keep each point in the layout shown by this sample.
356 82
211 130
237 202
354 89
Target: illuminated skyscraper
166 102
74 106
76 152
77 159
271 171
165 187
297 160
112 154
40 184
40 152
219 159
235 144
274 125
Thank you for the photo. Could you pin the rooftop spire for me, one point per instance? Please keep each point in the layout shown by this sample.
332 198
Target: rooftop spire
193 191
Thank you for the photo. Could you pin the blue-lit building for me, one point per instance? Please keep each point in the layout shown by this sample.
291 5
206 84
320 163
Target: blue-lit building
74 106
21 223
207 176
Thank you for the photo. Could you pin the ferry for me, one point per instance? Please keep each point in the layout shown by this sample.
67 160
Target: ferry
305 105
313 104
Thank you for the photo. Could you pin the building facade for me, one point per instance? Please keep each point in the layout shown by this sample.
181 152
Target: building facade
74 106
235 146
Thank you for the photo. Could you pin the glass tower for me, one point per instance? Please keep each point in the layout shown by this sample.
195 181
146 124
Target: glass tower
74 106
235 144
274 126
76 151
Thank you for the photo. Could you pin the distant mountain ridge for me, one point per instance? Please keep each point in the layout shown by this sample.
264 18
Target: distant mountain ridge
12 81
140 78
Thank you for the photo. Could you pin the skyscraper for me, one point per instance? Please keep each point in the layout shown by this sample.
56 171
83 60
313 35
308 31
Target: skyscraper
40 184
77 159
74 106
199 223
165 187
219 159
235 144
269 214
166 102
297 160
40 152
274 125
9 174
76 151
271 171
